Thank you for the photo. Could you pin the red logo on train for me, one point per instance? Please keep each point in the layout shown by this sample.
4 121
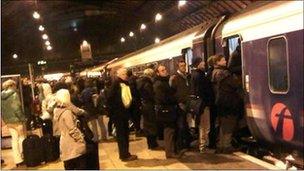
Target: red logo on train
282 121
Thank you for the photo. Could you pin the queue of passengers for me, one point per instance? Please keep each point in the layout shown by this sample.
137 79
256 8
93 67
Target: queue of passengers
208 96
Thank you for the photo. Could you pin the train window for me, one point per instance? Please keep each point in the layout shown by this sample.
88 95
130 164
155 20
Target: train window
278 76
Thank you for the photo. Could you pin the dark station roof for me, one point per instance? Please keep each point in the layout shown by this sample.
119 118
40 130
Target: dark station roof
101 23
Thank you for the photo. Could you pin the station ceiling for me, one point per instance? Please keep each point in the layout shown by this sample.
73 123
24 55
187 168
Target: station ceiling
101 23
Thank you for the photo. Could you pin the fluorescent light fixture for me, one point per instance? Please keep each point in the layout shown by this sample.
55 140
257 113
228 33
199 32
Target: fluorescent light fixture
47 43
49 47
122 39
143 27
157 40
181 3
15 56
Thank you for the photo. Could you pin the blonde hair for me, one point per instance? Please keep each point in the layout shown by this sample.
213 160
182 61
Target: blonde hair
63 97
214 59
149 72
8 83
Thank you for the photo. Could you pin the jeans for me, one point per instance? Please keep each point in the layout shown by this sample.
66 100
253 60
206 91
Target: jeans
204 128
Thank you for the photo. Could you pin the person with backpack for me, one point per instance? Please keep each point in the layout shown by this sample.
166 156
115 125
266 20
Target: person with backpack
227 101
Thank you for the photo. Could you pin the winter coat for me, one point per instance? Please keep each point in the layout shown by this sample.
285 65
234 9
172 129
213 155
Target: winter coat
164 94
201 86
48 103
226 87
181 84
235 62
116 106
145 88
87 101
11 109
164 98
72 143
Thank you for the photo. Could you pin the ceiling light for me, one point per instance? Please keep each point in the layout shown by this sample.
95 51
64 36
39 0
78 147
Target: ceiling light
131 34
182 3
45 36
47 43
143 26
122 39
75 29
15 56
49 47
157 40
41 28
36 15
158 17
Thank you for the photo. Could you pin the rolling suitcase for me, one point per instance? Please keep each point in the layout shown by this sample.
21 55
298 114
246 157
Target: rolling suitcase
33 151
51 147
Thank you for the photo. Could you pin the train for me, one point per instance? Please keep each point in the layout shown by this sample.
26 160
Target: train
270 34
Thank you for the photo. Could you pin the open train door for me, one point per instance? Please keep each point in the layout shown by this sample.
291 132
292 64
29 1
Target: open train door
203 45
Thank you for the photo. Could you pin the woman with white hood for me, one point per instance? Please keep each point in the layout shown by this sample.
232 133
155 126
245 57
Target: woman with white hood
47 105
72 143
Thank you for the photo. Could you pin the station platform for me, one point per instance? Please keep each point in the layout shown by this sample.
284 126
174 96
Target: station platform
108 157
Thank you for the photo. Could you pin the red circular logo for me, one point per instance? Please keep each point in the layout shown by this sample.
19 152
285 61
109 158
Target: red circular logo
282 121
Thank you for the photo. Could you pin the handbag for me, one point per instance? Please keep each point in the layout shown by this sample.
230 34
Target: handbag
166 113
82 125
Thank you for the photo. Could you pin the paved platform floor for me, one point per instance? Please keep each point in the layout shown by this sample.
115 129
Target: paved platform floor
151 159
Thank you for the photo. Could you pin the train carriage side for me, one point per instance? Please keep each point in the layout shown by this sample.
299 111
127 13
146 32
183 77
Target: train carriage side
272 58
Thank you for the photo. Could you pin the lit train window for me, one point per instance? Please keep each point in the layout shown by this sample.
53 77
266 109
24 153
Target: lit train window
278 75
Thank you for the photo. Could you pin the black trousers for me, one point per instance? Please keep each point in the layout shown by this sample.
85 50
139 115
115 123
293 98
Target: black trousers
135 116
122 136
182 132
92 155
151 140
169 138
78 163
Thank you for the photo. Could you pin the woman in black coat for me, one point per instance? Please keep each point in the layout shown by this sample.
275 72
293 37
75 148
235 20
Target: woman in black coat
145 88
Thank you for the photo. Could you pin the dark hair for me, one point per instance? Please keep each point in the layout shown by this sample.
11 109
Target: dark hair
214 59
196 61
129 72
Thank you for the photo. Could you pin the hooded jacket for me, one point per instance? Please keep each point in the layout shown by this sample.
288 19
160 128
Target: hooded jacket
48 103
11 107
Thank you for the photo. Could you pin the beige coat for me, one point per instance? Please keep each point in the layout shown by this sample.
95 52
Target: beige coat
72 142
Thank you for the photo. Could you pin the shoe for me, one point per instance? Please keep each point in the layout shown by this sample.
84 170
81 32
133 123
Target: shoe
174 156
130 158
20 165
182 152
229 150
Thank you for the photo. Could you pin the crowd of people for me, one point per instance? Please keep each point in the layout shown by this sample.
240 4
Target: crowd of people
170 108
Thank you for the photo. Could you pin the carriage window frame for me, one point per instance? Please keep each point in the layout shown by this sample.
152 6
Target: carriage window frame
287 67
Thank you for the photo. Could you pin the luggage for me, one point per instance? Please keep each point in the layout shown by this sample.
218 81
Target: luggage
33 151
51 147
34 125
47 127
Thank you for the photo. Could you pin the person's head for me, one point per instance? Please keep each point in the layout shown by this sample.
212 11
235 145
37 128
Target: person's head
129 72
161 71
63 97
198 63
122 74
149 72
182 67
219 60
88 83
46 89
9 84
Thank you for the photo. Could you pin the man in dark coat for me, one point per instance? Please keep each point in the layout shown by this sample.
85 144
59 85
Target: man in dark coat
201 88
166 106
120 101
180 82
135 112
145 88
